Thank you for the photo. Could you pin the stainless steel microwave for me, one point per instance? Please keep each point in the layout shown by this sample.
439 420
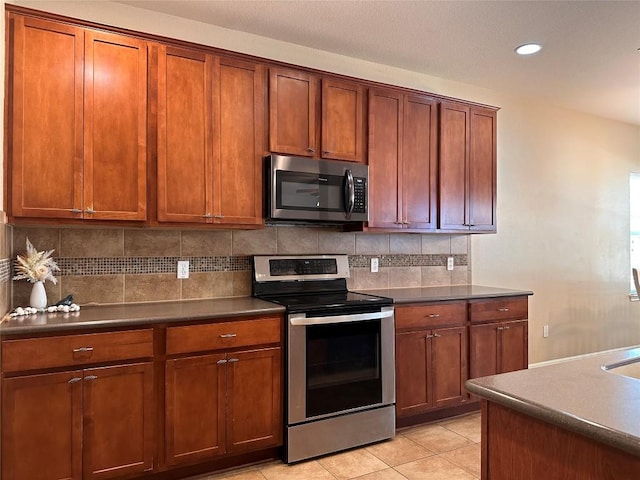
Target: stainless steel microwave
319 191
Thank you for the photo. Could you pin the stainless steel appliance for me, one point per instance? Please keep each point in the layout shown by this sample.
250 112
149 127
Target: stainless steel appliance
340 379
319 191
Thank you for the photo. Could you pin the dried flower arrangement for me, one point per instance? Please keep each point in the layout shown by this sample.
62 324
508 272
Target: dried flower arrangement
35 266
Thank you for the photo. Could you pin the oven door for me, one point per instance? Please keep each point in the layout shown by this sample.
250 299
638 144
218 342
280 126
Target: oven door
339 363
317 190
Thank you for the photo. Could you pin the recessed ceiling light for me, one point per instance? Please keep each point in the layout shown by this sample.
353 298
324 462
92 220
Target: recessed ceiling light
528 49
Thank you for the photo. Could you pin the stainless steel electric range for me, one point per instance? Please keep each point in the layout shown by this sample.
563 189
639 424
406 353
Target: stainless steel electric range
340 379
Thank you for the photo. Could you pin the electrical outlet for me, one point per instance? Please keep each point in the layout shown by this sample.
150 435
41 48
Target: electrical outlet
374 265
449 263
183 268
545 331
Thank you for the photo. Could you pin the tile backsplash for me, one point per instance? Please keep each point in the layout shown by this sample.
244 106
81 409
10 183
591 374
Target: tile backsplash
115 265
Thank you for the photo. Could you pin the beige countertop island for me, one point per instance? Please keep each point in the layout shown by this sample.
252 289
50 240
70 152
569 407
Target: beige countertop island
578 419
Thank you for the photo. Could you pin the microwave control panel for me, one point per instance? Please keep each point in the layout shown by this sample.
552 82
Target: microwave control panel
360 195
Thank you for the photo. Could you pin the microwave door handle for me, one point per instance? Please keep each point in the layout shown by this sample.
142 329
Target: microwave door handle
349 193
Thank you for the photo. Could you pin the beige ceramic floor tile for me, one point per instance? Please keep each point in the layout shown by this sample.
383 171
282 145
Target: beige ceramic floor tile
468 427
399 450
251 473
466 457
311 470
433 468
352 464
436 438
386 474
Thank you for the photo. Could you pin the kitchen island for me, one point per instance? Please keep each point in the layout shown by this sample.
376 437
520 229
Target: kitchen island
575 420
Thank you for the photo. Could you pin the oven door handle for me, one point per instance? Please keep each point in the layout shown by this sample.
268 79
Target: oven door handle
302 319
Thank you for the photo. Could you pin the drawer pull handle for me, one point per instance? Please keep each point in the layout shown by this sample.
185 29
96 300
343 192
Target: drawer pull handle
429 336
83 350
500 328
434 315
506 328
90 377
233 360
436 335
228 335
75 380
503 309
221 362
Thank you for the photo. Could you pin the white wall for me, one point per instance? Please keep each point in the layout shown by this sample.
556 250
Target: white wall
563 227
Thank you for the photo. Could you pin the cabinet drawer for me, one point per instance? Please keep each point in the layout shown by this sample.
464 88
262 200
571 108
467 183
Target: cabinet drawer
69 350
508 308
214 336
432 315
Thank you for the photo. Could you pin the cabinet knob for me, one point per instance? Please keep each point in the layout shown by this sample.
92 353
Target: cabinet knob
75 210
434 315
90 377
506 328
500 328
218 216
227 335
503 309
233 360
221 362
89 210
326 152
207 215
75 380
429 336
311 150
406 223
436 335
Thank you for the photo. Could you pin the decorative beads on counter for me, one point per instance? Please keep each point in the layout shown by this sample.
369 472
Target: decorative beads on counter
22 311
63 308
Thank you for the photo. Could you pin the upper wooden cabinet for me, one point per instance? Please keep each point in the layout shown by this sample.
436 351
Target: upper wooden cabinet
78 139
210 138
295 102
467 168
402 161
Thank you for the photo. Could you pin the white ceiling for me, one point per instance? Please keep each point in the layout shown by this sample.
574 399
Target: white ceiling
591 49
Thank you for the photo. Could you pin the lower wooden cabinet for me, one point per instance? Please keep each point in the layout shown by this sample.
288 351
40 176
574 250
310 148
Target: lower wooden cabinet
83 424
431 368
498 347
431 357
222 403
498 335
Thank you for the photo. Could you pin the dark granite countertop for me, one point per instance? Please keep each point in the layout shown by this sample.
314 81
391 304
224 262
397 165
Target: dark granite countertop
109 316
578 395
453 292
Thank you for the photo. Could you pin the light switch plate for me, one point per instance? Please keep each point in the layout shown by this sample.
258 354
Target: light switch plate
374 265
449 263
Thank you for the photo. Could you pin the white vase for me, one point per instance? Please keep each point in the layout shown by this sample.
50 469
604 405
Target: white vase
38 298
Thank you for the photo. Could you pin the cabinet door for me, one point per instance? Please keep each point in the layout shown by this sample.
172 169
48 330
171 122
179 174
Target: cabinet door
115 127
254 399
185 135
483 350
482 170
240 136
385 152
413 376
454 159
118 421
45 119
42 427
342 120
292 112
419 163
194 389
449 364
513 349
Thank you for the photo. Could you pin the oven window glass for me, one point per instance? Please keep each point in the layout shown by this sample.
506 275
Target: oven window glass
309 191
343 367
